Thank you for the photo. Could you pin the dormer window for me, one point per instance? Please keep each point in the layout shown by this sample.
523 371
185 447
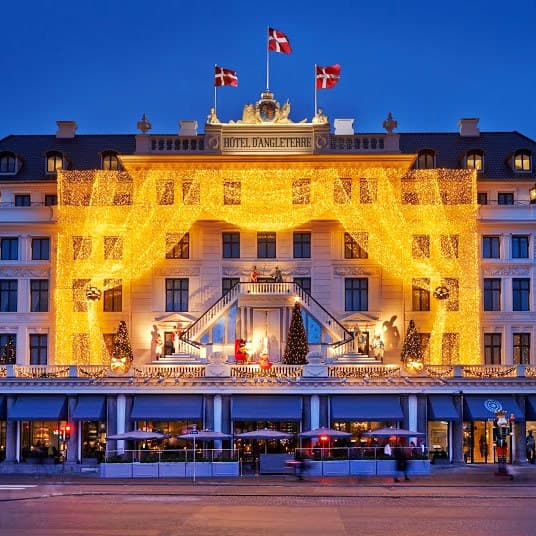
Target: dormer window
9 164
474 160
425 159
522 161
55 162
110 161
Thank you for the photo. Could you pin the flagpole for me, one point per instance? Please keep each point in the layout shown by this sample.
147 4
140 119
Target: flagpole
316 91
267 59
215 109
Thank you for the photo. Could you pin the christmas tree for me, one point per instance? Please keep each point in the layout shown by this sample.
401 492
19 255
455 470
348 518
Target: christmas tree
411 349
297 348
121 352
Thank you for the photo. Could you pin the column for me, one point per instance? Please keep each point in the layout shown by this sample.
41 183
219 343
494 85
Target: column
121 412
12 439
73 443
217 417
456 444
412 412
315 412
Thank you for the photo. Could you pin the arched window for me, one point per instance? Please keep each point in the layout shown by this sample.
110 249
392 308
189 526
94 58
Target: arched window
425 159
110 162
8 164
54 162
522 161
474 160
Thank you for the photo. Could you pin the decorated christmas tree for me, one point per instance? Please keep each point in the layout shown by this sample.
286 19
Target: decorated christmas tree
411 349
297 348
122 351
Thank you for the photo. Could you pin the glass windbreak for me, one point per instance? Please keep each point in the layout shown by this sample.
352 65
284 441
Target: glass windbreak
94 440
42 441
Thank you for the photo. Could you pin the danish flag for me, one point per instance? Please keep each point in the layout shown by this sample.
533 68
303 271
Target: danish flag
327 77
225 77
278 41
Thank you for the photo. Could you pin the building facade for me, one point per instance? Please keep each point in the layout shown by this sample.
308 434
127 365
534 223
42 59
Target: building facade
149 282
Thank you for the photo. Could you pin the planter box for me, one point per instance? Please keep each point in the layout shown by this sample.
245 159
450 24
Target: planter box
314 468
440 461
419 467
362 467
116 470
202 469
145 470
386 467
225 469
336 468
172 469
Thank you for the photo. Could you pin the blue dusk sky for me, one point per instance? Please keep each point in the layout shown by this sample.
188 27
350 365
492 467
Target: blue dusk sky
103 63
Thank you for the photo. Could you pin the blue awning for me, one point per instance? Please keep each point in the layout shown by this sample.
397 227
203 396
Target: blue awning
90 408
366 408
483 407
266 408
167 407
441 408
531 408
38 408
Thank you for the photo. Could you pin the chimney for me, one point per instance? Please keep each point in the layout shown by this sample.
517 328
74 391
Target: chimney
66 129
344 127
469 127
188 127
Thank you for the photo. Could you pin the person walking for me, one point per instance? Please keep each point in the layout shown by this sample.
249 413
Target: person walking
401 458
530 447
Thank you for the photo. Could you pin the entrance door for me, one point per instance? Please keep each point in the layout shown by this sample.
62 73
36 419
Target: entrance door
266 333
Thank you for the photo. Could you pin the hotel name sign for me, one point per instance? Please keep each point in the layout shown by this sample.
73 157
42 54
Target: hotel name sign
267 142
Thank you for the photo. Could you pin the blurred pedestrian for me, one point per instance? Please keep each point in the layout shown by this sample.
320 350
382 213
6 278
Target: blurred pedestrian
530 447
401 458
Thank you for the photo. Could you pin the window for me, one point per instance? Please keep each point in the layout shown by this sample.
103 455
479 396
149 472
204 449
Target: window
79 295
227 283
520 294
81 347
9 249
54 162
39 295
40 249
482 198
8 349
342 191
420 248
520 247
113 247
8 164
301 192
453 302
266 245
165 192
38 349
492 294
368 191
8 295
522 161
81 247
302 245
492 348
231 245
113 296
474 160
355 294
177 294
23 200
352 248
304 282
232 193
491 247
420 294
177 248
110 161
425 346
505 198
425 159
449 246
450 348
190 192
521 348
51 200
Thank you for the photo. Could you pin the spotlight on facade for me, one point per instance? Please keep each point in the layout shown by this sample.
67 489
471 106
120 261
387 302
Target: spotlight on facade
532 195
414 364
93 293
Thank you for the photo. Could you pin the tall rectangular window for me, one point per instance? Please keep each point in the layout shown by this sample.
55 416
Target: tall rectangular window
177 246
190 192
40 249
113 247
450 348
227 283
492 348
521 348
520 294
368 191
420 248
482 198
302 245
51 200
232 193
79 295
342 191
8 349
38 349
425 346
165 192
356 294
231 245
113 296
492 294
304 282
23 200
355 245
177 294
301 192
453 302
9 248
266 245
505 198
8 295
39 295
491 247
81 247
520 247
420 294
449 246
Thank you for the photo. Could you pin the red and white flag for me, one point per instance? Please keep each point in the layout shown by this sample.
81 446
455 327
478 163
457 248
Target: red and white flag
225 77
327 77
278 41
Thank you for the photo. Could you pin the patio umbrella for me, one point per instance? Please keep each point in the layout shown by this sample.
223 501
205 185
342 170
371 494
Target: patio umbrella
205 435
328 432
393 432
136 435
265 433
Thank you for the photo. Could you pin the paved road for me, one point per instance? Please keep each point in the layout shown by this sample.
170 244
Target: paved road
461 501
